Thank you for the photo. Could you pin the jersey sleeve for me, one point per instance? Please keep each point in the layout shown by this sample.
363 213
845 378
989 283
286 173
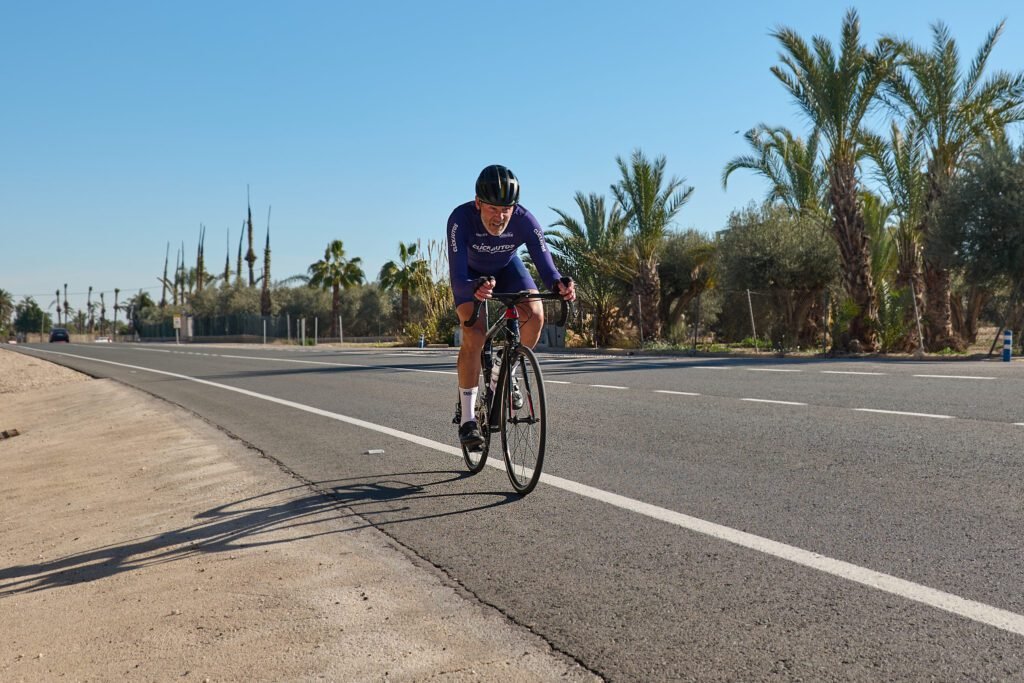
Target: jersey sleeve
458 258
538 248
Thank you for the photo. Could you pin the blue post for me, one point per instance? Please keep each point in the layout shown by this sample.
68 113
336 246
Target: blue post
422 341
1007 345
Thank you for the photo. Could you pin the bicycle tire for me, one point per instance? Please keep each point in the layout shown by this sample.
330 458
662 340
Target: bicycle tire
523 430
475 460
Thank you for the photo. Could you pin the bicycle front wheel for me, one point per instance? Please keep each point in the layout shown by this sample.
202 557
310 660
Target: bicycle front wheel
523 419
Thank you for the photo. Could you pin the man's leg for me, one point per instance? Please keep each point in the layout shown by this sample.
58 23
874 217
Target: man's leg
531 321
469 375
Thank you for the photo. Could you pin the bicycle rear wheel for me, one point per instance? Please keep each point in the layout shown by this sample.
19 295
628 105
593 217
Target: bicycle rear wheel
523 429
475 460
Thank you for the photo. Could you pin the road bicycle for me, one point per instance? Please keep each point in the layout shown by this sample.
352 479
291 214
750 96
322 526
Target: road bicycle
516 408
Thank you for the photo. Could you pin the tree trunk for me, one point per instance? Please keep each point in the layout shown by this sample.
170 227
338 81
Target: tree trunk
977 298
335 309
648 286
405 306
855 253
938 316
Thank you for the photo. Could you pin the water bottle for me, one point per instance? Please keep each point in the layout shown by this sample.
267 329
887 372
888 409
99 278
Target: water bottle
495 369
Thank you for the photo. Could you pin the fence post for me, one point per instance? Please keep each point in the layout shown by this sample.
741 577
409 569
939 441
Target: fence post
750 305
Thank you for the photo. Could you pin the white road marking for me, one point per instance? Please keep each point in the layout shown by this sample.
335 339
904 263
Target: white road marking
900 412
765 400
947 602
708 367
556 381
954 377
849 372
675 393
606 386
773 370
342 365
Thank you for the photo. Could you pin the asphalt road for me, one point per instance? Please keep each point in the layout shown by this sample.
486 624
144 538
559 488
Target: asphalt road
698 520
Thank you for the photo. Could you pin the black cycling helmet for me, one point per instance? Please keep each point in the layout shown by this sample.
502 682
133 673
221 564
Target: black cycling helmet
498 186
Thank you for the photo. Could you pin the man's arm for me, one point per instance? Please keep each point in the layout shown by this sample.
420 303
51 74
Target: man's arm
538 248
458 259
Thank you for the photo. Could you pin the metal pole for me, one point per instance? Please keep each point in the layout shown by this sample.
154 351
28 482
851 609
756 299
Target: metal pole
288 326
917 316
316 330
341 331
750 305
264 332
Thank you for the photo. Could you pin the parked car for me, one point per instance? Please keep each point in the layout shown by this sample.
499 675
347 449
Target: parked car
59 334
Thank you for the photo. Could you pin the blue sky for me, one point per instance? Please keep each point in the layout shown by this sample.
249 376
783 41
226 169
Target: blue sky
124 125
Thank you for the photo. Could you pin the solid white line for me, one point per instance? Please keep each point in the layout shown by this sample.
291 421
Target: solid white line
765 400
675 393
900 412
773 370
606 386
849 372
954 604
341 365
954 377
969 609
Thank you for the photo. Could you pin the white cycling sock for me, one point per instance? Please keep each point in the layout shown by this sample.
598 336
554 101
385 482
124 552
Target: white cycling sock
468 399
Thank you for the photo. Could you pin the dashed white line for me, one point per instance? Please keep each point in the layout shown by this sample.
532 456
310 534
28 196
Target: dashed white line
900 412
773 370
606 386
556 381
954 377
765 400
675 393
849 372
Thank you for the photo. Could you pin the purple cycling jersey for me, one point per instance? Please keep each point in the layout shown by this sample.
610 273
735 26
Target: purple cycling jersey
471 247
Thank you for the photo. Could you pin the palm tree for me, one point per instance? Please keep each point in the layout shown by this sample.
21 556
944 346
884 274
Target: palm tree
6 308
956 112
335 272
591 251
90 308
900 169
789 164
649 204
835 92
409 275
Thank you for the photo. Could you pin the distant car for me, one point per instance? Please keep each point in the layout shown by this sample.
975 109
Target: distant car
59 334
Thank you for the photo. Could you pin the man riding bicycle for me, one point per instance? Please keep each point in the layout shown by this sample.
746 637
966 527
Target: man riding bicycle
483 236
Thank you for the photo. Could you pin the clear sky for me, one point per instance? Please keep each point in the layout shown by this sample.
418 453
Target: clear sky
124 125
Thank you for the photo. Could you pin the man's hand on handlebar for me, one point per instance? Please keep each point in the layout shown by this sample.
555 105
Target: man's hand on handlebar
567 288
484 287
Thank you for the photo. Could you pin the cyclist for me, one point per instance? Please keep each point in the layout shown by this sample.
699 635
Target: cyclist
483 236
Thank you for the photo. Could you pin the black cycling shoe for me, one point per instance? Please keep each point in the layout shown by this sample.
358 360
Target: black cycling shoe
469 436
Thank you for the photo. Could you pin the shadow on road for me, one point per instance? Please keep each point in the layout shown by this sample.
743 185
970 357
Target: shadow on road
282 516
